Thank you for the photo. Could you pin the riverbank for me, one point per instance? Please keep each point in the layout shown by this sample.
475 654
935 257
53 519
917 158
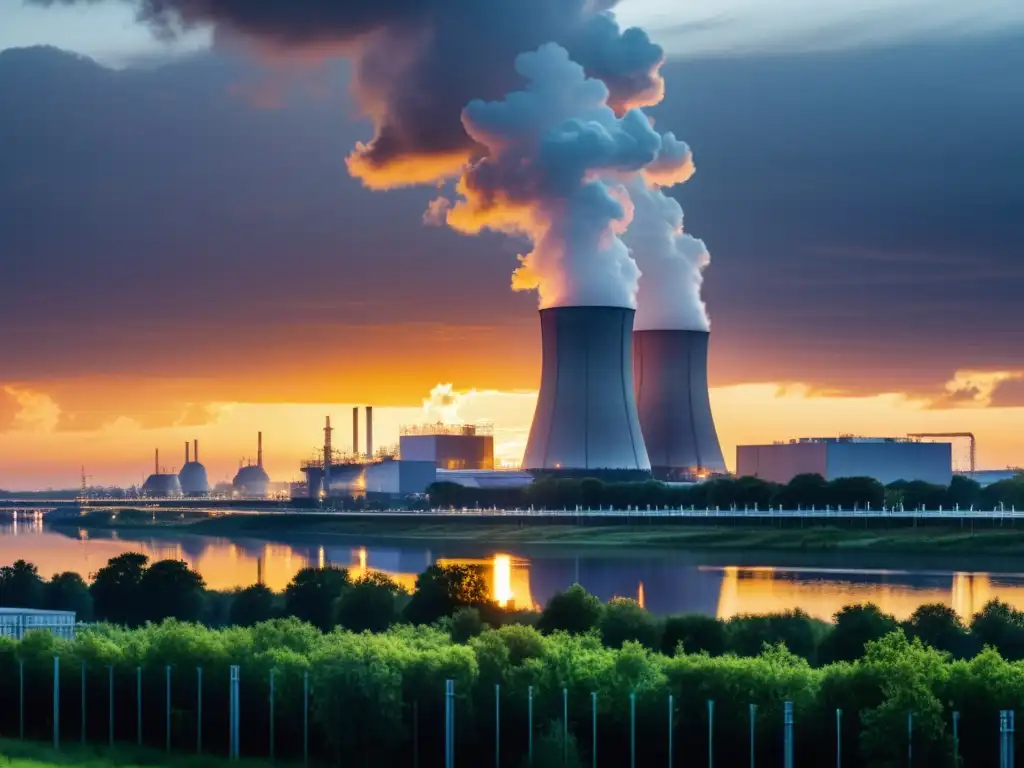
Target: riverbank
29 754
494 532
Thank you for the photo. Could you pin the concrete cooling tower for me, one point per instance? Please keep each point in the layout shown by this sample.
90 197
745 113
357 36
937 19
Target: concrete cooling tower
586 417
670 372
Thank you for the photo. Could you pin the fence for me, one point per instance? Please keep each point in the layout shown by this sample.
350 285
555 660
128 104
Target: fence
187 710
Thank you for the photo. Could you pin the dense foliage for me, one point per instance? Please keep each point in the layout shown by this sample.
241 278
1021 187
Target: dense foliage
376 698
802 492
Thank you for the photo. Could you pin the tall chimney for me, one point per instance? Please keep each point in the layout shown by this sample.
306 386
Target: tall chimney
195 450
156 463
355 430
259 449
369 431
186 451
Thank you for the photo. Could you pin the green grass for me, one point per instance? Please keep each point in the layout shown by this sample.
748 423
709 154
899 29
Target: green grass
26 754
790 536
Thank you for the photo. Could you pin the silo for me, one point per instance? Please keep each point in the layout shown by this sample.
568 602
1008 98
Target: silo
193 475
670 371
586 417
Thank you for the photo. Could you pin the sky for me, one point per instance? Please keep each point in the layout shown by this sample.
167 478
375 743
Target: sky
186 257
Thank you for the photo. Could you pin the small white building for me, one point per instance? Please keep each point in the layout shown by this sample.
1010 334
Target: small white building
15 622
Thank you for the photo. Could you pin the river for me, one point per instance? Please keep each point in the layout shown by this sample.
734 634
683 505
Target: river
713 583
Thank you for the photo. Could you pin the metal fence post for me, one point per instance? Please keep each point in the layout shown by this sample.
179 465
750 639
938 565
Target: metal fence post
21 698
632 730
449 724
711 733
956 738
138 698
167 713
83 701
199 710
529 719
272 745
753 720
305 718
839 738
788 723
1010 738
233 746
497 725
910 739
110 704
56 702
1002 739
565 726
671 718
593 728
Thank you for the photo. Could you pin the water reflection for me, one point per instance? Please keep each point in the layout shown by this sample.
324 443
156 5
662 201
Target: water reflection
663 584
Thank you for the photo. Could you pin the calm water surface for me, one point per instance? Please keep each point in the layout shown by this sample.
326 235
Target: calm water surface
717 584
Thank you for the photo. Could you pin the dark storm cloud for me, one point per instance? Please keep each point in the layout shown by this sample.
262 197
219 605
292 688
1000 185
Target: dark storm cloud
453 50
862 212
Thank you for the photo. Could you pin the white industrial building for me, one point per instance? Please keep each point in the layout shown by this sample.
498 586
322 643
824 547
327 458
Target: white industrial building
886 459
15 622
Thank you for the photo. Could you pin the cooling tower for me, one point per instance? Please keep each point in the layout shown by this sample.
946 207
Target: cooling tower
670 371
586 416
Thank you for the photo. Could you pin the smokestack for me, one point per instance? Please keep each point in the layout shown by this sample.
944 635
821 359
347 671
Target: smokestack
195 450
670 370
186 451
355 430
586 414
369 431
156 462
259 449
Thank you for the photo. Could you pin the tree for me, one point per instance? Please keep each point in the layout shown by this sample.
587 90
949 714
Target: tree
623 620
21 586
313 594
465 624
170 589
252 605
442 590
849 492
803 491
370 604
855 626
69 592
963 492
575 611
1002 627
696 632
940 627
116 594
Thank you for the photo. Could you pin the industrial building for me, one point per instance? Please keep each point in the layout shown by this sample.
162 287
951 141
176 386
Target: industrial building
15 622
161 485
192 476
393 477
886 459
670 376
252 481
586 417
447 446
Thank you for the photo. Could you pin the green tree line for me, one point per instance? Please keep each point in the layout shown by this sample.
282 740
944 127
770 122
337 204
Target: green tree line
377 698
802 492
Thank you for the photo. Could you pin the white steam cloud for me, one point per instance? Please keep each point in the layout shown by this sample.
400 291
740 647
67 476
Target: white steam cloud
555 155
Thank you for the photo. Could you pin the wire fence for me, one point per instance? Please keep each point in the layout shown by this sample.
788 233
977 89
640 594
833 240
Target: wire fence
268 716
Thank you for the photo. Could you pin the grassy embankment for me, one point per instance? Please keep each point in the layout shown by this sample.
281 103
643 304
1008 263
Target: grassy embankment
27 754
873 536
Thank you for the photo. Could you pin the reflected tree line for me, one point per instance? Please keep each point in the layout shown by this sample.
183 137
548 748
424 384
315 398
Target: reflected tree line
374 660
802 492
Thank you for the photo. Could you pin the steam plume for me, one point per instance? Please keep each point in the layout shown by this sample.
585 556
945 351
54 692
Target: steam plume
551 152
419 62
443 405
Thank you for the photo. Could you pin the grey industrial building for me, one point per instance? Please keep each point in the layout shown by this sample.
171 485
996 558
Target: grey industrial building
670 376
161 485
448 446
887 459
252 480
586 416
